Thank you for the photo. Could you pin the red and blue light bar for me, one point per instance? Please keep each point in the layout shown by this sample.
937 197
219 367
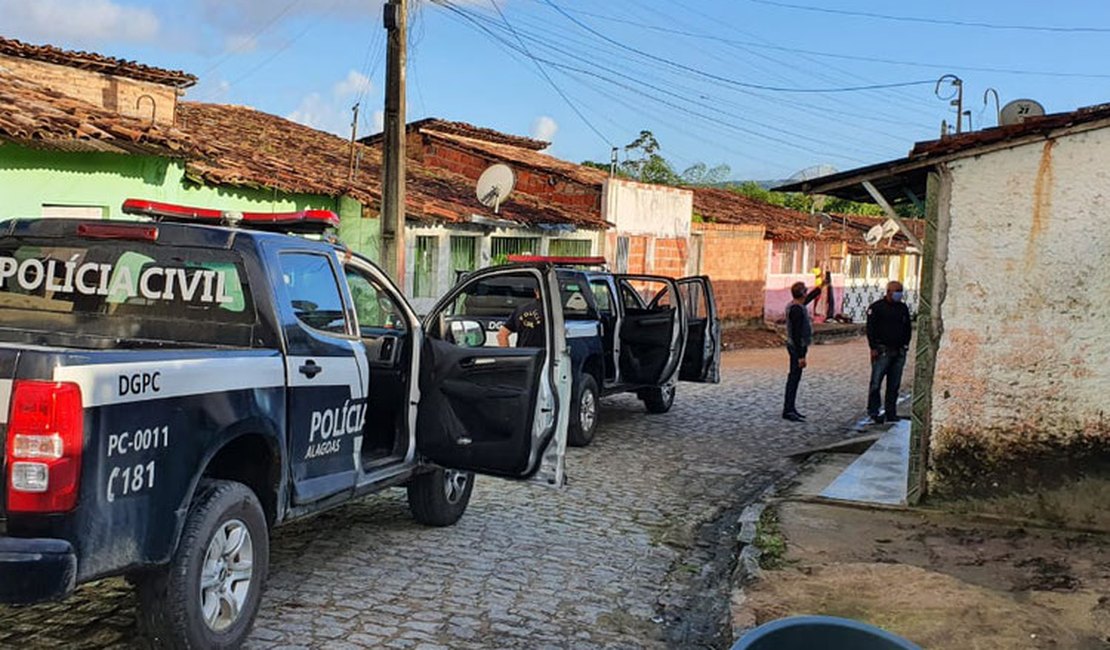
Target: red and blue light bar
558 260
302 221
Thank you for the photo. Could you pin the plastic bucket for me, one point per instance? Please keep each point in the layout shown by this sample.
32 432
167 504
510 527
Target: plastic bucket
820 632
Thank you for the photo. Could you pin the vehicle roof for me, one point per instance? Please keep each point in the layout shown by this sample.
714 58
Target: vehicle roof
169 233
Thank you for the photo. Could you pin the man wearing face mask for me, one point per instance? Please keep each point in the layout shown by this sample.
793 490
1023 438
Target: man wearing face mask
888 333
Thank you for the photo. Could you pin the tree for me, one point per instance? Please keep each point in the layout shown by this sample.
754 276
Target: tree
702 174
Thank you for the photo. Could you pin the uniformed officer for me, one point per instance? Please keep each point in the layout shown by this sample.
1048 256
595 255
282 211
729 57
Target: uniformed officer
888 333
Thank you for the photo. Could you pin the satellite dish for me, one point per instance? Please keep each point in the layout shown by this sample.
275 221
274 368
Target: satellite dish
1018 110
495 184
890 229
874 236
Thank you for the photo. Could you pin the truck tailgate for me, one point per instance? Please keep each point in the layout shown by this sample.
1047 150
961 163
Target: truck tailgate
8 359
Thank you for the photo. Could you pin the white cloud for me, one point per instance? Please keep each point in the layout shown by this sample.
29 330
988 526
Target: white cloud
240 43
332 113
544 128
78 22
356 83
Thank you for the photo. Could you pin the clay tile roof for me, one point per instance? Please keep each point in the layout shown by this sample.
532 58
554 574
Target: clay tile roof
1029 127
255 149
447 127
95 63
36 116
785 224
528 158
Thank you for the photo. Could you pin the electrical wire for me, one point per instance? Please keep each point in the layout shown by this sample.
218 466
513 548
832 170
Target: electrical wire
728 80
543 72
835 55
934 21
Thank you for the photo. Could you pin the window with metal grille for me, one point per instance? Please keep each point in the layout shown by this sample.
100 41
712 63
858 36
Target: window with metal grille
464 253
785 257
502 247
571 248
857 267
424 267
623 245
880 266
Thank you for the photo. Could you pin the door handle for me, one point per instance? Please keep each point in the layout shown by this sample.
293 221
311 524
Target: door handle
472 362
310 369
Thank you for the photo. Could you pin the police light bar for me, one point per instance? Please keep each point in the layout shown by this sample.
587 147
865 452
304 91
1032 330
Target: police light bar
558 260
303 221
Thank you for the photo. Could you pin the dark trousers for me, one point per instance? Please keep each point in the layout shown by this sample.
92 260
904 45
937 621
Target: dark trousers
888 366
792 381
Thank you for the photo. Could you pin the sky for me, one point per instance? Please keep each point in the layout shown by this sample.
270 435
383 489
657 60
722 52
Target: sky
767 87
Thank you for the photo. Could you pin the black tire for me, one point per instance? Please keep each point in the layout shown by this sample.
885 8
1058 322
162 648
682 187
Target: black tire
659 399
580 432
170 609
440 497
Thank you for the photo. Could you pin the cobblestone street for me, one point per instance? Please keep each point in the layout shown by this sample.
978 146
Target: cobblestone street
616 560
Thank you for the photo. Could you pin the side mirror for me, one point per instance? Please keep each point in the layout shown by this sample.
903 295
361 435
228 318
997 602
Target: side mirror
468 334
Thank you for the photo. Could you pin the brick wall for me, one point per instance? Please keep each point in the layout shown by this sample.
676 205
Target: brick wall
549 186
735 259
120 94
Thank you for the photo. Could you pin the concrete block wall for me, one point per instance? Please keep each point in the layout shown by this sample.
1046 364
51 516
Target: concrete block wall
1022 379
119 94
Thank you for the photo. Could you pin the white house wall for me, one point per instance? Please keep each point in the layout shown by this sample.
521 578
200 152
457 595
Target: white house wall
1023 365
642 209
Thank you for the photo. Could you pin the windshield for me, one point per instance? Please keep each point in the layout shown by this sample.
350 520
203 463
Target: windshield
125 290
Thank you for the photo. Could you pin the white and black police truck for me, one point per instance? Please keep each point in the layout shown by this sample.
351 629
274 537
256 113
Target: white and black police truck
173 388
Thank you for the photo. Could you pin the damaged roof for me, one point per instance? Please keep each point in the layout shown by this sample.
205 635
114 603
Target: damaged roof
94 62
34 115
465 130
904 180
258 150
784 224
526 157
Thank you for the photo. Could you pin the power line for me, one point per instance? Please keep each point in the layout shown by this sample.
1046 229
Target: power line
935 21
728 80
252 38
836 55
679 96
546 76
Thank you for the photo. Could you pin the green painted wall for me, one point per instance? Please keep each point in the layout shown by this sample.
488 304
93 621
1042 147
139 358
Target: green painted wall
32 178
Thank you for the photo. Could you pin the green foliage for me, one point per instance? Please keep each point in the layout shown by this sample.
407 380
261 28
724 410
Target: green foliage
805 202
644 163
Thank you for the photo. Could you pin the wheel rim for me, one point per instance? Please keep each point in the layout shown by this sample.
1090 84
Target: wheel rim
225 578
668 394
587 411
454 484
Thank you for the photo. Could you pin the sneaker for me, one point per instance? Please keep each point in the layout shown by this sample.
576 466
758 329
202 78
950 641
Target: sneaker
793 417
892 418
877 419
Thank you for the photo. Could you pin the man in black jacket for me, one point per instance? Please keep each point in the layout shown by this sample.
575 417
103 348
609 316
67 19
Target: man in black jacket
888 333
799 336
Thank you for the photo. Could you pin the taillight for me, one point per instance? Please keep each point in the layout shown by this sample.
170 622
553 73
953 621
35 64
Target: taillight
46 437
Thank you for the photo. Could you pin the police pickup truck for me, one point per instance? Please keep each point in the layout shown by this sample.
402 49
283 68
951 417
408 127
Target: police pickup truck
172 388
626 333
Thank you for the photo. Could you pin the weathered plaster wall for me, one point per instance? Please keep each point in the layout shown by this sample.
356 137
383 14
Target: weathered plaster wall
130 97
654 210
1022 382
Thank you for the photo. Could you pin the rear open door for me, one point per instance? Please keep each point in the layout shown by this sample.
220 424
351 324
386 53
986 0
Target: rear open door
702 360
652 330
494 410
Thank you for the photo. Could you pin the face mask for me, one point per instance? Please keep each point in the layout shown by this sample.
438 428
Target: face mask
897 296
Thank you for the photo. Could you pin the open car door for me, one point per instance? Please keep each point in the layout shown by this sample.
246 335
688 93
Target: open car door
702 360
652 332
494 410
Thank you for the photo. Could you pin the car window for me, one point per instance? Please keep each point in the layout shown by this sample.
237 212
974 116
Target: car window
576 306
313 291
603 296
375 308
630 298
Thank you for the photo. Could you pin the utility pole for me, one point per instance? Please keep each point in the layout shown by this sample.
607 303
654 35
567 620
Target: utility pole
354 138
393 144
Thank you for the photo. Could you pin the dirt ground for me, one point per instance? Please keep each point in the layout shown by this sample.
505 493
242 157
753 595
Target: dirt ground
750 338
939 580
